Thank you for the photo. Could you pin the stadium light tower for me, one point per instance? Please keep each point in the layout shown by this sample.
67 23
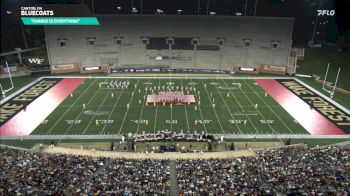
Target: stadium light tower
208 2
179 12
315 26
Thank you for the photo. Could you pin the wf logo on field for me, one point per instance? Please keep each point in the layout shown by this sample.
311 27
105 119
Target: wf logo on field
325 12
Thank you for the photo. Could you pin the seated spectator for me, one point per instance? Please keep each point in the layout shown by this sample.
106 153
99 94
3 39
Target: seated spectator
289 170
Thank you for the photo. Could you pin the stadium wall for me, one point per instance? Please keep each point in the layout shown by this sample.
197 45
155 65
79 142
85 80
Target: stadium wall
261 32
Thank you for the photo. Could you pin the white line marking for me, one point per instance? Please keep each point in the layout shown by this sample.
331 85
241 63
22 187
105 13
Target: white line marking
76 118
132 97
143 105
226 136
323 96
110 114
290 130
250 120
273 130
188 126
228 109
155 117
200 111
222 130
70 107
171 109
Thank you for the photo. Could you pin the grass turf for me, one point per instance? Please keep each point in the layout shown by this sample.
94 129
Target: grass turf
70 118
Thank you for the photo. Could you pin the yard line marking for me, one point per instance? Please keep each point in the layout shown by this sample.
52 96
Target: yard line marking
228 109
70 107
155 117
98 109
290 130
188 126
126 113
273 130
76 118
200 111
138 124
100 132
110 114
250 120
171 112
222 130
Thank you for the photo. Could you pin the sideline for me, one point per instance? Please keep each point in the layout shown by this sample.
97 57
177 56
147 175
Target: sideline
226 136
165 156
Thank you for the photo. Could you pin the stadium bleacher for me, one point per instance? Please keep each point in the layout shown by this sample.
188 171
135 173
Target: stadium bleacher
182 43
157 43
131 30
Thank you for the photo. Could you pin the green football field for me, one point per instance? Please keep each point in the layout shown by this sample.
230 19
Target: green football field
93 109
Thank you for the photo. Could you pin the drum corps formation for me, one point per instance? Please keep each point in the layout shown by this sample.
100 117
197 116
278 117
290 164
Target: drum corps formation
115 84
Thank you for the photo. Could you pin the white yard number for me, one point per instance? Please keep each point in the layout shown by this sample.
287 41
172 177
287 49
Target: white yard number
263 121
44 121
235 121
171 121
204 121
139 121
70 122
106 121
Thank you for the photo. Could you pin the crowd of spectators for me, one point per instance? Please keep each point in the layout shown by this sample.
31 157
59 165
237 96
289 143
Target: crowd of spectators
290 170
135 177
24 172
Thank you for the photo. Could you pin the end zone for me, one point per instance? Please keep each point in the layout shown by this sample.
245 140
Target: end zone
311 119
27 117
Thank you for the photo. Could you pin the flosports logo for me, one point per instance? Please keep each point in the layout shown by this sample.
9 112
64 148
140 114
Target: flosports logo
325 12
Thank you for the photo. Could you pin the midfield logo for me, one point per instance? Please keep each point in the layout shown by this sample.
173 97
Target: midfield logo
325 12
36 61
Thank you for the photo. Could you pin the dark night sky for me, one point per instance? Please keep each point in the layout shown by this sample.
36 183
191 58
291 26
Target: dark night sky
303 11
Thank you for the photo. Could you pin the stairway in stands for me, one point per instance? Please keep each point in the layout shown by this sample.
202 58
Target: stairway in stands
174 188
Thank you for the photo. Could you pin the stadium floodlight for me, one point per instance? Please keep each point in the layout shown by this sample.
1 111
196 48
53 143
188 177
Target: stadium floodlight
4 91
118 9
179 11
159 11
134 10
238 14
212 13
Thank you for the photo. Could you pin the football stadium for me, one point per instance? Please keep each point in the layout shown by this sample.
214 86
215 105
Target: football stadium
199 97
